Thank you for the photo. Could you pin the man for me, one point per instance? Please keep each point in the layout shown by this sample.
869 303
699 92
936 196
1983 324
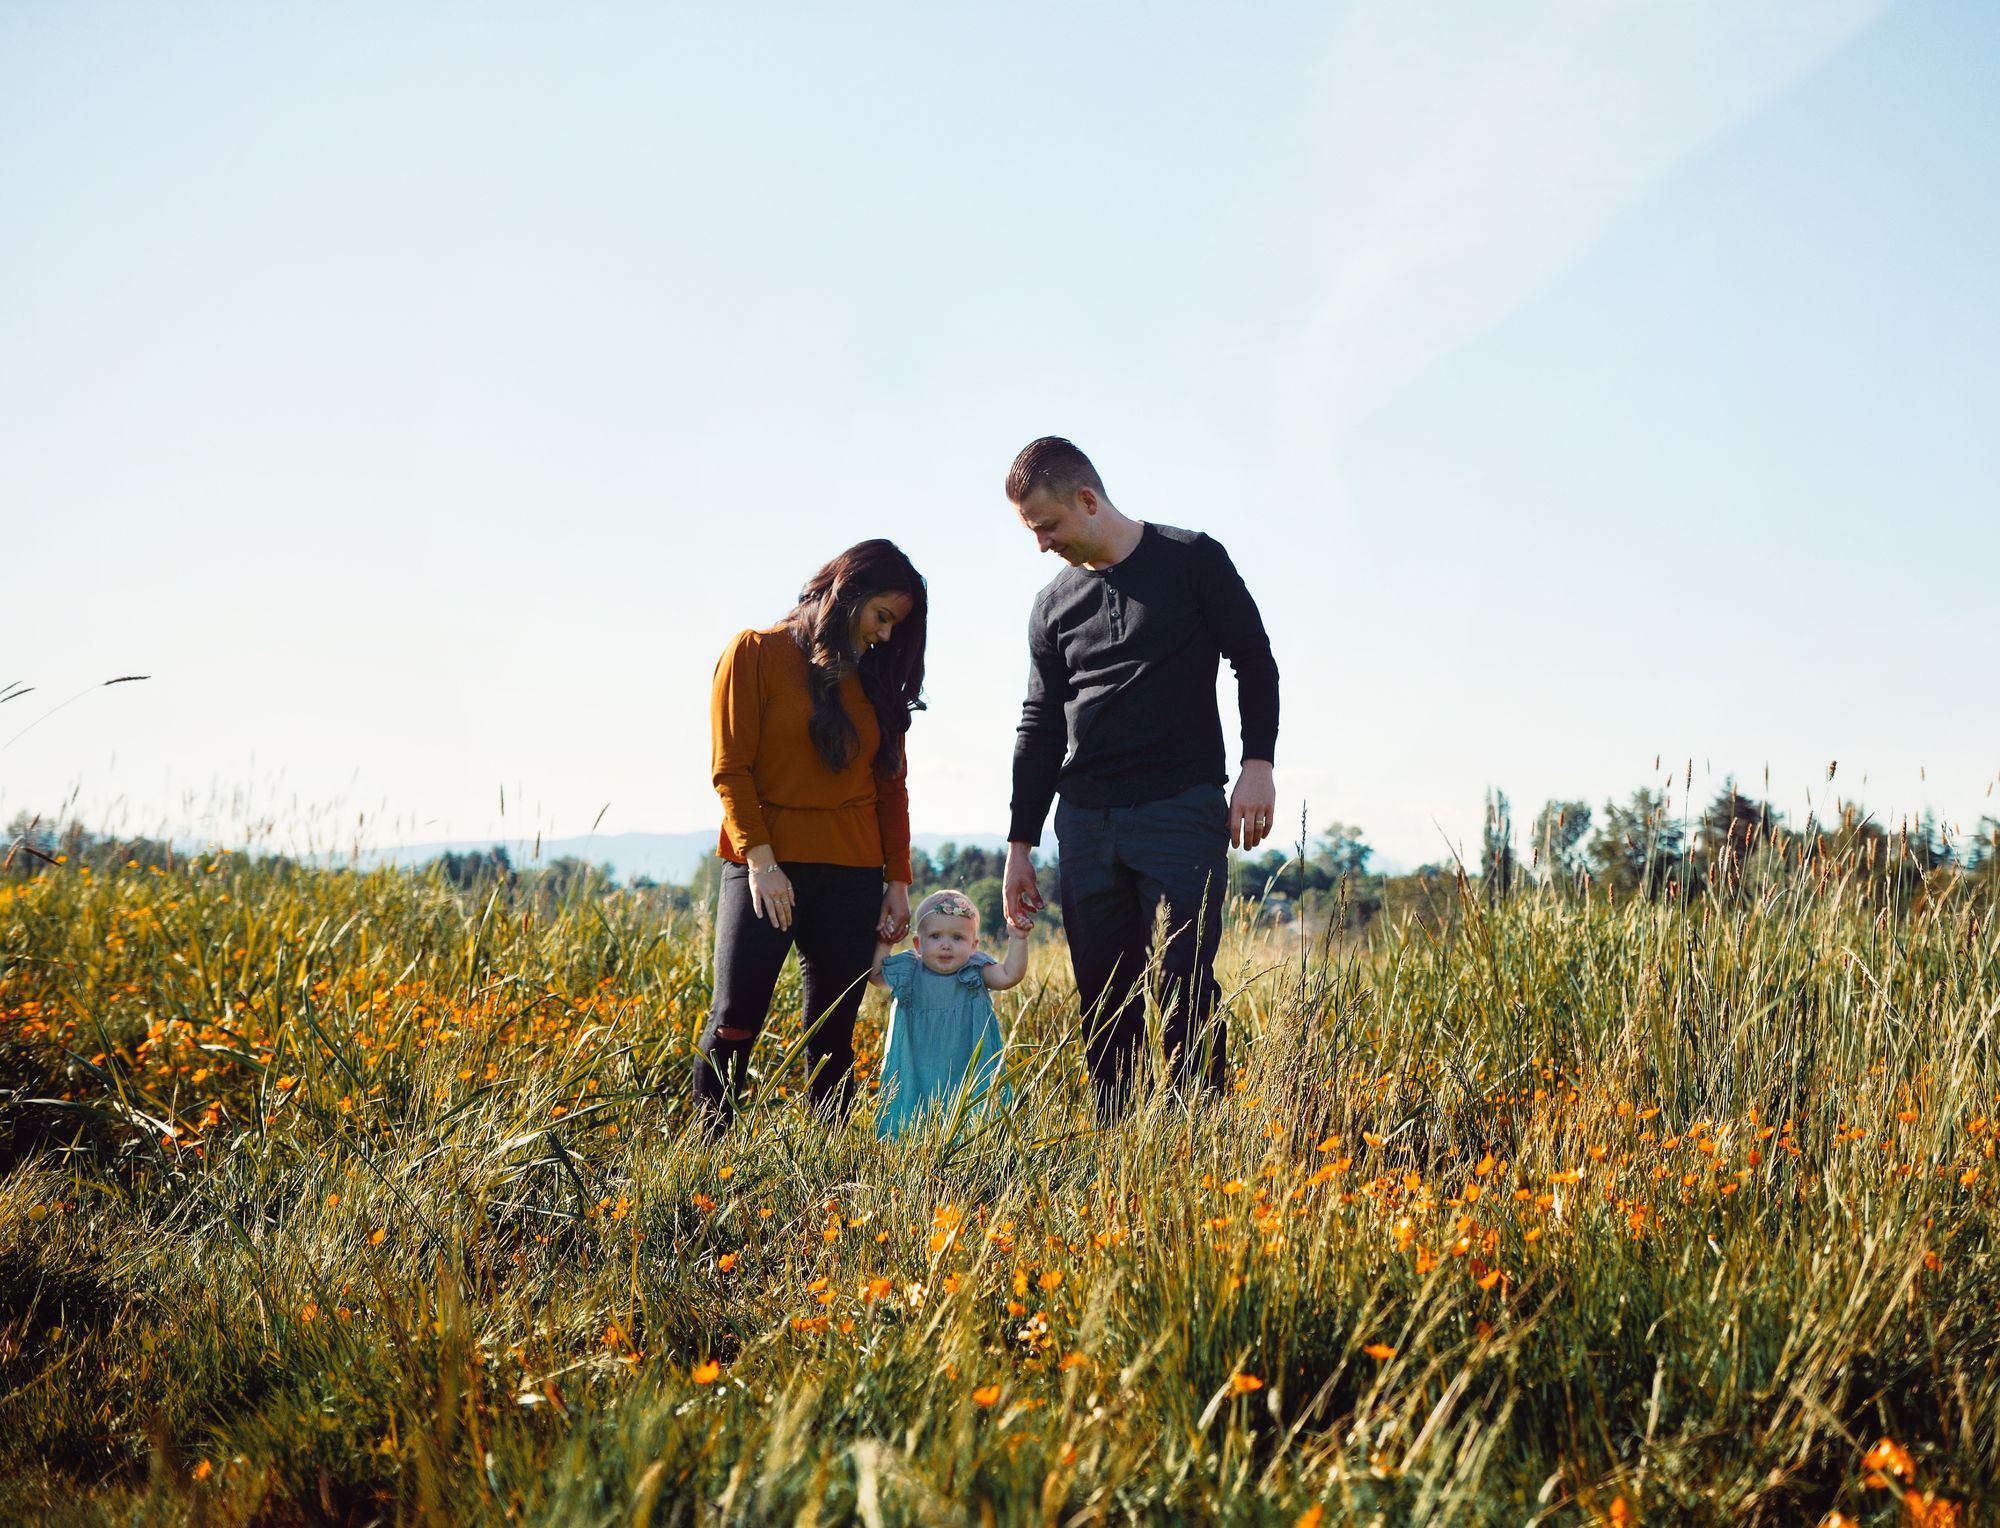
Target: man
1121 718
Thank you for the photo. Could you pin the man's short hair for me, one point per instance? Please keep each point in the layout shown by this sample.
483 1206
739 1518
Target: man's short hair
1054 465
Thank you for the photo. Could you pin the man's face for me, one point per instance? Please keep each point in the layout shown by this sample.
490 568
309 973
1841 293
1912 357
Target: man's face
1068 527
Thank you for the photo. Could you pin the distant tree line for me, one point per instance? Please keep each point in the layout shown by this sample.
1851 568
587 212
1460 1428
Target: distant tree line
1639 847
33 845
971 869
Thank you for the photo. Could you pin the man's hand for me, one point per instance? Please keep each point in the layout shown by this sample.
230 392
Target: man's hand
1020 897
1253 806
895 920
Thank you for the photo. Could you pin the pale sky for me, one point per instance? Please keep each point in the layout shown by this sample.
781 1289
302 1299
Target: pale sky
422 395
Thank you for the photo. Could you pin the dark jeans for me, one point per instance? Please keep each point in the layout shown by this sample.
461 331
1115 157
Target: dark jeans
1120 866
833 924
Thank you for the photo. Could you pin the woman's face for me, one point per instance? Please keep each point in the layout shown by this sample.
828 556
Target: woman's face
876 617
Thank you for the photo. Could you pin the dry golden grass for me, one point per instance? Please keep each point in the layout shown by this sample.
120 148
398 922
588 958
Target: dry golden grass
335 1196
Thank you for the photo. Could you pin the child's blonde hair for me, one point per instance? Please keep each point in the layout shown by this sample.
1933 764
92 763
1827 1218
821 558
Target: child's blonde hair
944 904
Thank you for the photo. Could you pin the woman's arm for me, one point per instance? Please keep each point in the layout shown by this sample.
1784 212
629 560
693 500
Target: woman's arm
892 817
895 920
736 721
1008 973
736 717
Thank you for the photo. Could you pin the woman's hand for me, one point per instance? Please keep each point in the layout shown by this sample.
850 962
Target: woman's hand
895 921
771 894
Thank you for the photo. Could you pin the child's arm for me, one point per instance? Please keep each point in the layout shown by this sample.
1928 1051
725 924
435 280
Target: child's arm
882 953
1008 973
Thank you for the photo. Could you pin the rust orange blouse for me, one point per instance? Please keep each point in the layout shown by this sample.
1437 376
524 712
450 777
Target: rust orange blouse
773 786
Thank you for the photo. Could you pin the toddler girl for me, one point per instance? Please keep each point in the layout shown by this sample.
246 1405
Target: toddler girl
944 1037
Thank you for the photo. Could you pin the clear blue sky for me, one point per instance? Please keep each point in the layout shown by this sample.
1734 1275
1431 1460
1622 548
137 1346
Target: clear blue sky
423 394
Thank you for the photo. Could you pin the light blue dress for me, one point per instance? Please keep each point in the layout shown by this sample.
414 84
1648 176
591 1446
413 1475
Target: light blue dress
943 1037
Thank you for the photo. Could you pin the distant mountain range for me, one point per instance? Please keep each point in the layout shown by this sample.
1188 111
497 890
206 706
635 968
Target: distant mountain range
666 857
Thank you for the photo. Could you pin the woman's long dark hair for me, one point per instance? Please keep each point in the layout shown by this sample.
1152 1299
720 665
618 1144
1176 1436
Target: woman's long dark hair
892 675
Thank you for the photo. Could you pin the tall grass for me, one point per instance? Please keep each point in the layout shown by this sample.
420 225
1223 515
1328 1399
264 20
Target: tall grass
343 1197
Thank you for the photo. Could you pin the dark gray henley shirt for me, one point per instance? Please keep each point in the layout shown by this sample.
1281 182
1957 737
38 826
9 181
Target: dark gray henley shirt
1121 680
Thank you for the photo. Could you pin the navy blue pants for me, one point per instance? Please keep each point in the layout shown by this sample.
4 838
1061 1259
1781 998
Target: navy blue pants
1122 867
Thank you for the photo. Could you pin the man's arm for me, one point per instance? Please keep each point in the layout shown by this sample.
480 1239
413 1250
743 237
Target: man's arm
1039 745
1238 629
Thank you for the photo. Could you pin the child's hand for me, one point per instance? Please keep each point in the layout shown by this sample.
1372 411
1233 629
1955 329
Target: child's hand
1020 929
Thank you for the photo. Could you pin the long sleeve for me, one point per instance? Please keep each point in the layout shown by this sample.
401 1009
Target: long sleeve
892 811
736 716
1042 738
1238 629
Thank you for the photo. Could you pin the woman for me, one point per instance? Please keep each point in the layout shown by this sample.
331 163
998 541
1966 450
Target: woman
809 718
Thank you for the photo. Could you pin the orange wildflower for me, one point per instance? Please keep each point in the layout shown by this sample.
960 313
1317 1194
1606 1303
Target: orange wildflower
1890 1456
1932 1511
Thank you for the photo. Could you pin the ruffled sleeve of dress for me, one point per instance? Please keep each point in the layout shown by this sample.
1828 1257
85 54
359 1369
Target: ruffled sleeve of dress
899 971
968 975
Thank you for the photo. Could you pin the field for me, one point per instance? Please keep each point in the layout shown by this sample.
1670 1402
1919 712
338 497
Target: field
338 1197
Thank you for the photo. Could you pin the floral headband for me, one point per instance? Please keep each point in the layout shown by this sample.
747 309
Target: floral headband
945 904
